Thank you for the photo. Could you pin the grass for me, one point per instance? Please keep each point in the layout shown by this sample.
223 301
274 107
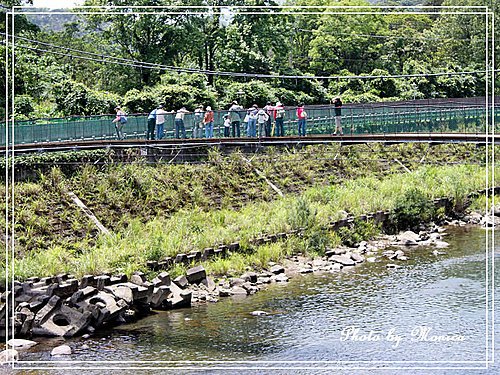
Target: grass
127 250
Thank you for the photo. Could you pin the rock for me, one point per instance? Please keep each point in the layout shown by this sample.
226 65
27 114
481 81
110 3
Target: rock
61 350
390 265
196 274
85 336
441 244
336 267
20 343
305 270
402 258
8 355
319 263
281 278
236 281
224 292
344 260
237 290
277 269
84 347
258 313
357 257
435 252
263 280
371 259
249 276
409 238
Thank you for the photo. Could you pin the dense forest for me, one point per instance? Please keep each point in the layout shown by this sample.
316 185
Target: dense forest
87 64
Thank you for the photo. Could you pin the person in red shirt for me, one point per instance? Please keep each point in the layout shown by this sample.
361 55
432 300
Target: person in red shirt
209 122
302 116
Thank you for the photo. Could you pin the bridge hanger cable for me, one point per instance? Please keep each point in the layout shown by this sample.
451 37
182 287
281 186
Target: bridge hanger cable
146 65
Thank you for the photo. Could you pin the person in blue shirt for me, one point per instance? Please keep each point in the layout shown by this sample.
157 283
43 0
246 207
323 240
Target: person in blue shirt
151 125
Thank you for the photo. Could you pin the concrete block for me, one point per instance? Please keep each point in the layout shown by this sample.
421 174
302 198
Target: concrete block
181 259
87 280
162 279
118 279
181 281
196 274
41 316
83 294
160 296
102 281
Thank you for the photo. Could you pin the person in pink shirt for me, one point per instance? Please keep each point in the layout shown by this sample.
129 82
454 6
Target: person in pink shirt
302 116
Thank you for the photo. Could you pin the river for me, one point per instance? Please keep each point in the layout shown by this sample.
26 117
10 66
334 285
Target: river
431 314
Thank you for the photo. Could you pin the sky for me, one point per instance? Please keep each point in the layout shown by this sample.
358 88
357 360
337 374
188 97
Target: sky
56 3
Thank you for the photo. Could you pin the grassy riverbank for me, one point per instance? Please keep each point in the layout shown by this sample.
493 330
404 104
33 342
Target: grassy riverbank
192 228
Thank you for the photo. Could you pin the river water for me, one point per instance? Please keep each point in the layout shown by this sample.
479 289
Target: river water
431 313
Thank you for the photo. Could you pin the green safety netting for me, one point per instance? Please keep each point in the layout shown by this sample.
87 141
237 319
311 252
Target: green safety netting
415 118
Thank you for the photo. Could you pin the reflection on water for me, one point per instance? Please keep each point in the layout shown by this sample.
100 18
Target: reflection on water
441 295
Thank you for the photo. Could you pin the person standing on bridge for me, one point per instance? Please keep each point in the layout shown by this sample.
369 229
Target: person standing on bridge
160 121
198 122
209 122
252 121
119 121
179 123
235 118
337 103
151 125
262 120
302 116
270 116
279 116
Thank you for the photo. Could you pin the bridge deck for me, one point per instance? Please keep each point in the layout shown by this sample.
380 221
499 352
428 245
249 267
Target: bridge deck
434 138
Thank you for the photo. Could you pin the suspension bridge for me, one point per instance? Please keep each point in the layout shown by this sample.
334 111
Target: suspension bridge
433 121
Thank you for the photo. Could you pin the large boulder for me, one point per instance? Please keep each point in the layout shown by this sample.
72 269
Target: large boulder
344 259
61 350
20 344
8 355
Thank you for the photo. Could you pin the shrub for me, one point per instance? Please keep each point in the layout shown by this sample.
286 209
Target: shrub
23 105
359 231
411 209
302 215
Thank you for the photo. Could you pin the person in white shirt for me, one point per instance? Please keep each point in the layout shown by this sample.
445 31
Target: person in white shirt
160 121
179 122
227 125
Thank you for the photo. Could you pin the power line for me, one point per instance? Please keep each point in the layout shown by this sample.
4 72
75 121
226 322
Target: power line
249 75
140 64
384 36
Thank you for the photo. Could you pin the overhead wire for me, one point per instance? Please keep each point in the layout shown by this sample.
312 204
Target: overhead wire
146 65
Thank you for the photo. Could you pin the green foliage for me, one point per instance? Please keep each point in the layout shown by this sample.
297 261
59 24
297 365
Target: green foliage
23 106
359 231
412 208
302 215
74 98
